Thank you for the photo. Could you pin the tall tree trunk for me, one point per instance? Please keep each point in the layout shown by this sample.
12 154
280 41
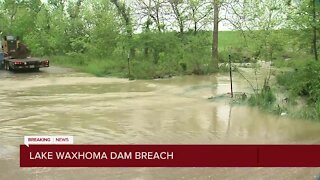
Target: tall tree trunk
215 40
124 12
157 18
314 26
195 28
178 15
146 49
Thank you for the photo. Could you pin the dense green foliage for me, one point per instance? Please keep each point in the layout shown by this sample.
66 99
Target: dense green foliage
265 98
93 37
168 54
304 81
97 36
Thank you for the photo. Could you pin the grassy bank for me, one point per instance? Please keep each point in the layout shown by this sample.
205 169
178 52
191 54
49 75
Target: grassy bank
302 86
294 92
139 69
169 54
157 55
91 65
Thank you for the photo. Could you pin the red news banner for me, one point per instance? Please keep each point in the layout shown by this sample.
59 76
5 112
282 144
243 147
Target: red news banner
170 156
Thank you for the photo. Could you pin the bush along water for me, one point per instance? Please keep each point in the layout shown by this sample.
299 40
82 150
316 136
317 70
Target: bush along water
304 83
154 56
264 98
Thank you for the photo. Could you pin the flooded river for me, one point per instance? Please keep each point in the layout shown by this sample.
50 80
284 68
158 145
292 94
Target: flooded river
58 101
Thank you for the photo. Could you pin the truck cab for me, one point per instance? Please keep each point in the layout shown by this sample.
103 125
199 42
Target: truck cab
13 48
9 45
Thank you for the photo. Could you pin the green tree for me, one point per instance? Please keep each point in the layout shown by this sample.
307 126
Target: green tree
104 32
304 17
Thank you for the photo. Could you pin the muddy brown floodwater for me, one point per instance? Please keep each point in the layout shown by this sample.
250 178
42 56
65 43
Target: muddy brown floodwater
58 101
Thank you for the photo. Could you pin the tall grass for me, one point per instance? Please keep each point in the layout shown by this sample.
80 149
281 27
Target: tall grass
95 66
139 68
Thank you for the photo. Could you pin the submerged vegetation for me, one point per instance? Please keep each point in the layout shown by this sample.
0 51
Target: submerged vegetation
264 98
303 84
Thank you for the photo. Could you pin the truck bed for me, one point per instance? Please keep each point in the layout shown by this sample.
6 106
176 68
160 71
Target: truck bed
25 60
26 63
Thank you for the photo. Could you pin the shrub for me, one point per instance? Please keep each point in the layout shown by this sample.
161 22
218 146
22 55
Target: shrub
264 98
303 81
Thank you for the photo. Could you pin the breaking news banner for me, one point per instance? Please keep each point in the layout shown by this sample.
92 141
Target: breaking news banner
59 151
48 140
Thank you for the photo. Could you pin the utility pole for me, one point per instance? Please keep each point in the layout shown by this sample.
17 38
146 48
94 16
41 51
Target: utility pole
146 49
314 25
215 34
149 13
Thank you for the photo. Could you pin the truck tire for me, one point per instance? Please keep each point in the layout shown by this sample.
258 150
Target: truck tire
6 66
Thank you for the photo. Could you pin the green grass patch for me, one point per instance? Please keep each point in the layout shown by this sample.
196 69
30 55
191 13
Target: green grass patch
95 66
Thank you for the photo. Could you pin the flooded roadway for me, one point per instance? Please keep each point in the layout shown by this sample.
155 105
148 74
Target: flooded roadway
58 101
